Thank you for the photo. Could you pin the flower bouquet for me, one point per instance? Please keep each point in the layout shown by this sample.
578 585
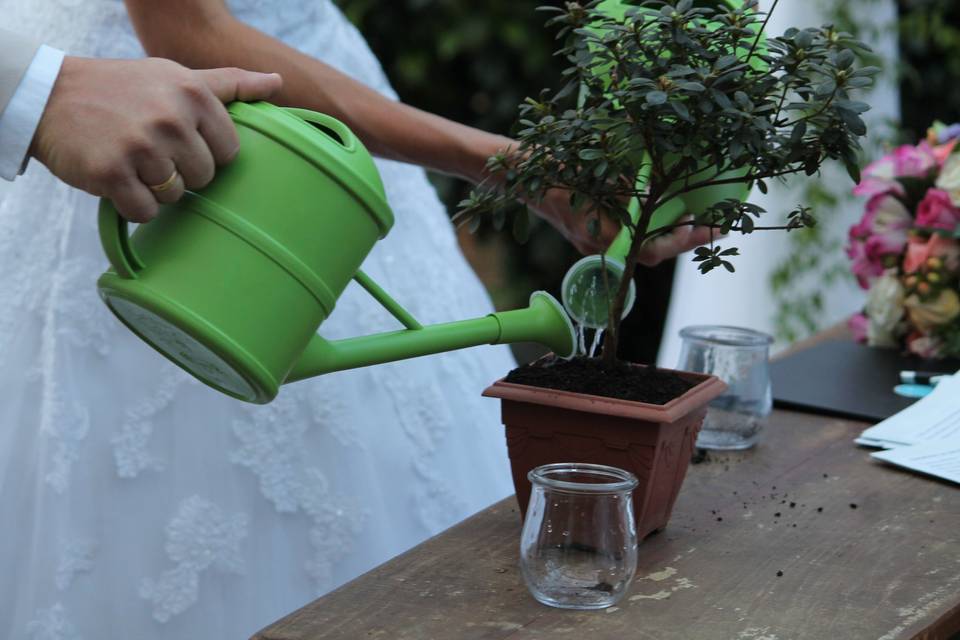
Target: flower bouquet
905 249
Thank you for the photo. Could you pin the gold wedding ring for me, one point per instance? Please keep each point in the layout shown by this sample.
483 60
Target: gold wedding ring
166 184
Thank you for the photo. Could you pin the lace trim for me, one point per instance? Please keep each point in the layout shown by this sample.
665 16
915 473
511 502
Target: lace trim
130 444
272 446
337 521
198 537
67 427
426 422
52 624
271 443
75 557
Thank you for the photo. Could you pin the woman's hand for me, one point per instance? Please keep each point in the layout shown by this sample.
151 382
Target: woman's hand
555 208
670 245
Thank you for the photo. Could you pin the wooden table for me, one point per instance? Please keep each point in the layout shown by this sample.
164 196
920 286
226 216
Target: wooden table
803 537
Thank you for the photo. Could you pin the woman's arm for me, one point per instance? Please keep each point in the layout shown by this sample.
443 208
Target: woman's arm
203 34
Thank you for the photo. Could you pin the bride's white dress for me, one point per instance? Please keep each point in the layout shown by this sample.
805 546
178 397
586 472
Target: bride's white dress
136 503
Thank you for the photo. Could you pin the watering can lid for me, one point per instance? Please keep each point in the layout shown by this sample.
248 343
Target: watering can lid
326 143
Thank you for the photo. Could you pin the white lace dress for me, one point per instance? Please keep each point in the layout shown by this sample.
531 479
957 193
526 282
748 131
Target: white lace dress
136 503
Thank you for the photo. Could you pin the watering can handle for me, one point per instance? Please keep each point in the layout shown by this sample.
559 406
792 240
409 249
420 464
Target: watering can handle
665 215
329 125
115 239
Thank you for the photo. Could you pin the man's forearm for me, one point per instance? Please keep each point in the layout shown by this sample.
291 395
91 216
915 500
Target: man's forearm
389 129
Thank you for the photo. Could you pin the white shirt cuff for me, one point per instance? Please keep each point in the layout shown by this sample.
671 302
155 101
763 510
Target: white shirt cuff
20 118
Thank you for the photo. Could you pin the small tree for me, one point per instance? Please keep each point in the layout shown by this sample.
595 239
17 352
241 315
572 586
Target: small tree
692 96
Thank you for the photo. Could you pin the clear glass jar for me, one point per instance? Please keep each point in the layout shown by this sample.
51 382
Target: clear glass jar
740 357
578 549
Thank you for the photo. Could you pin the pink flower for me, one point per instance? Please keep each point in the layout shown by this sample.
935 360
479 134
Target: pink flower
920 250
863 266
906 161
937 211
879 177
924 346
858 324
940 152
884 214
882 232
914 161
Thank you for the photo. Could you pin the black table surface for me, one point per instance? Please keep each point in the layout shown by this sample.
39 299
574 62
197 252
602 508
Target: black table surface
845 379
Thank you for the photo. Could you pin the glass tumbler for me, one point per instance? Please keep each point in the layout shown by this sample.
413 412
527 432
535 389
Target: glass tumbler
740 357
578 549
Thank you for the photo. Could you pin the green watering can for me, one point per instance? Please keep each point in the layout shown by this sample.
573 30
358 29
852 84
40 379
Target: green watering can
584 288
231 284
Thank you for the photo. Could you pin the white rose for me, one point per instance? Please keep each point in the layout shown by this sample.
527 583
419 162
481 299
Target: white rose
884 310
949 179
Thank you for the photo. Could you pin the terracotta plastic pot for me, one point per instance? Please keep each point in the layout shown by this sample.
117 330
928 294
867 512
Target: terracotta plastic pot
654 442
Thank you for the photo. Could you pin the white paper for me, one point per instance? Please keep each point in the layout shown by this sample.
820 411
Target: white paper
934 417
939 458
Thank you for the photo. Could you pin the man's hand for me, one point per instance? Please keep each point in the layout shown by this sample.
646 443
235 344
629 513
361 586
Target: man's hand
116 128
555 209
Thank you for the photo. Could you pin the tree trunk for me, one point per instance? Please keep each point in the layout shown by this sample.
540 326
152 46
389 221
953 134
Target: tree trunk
612 339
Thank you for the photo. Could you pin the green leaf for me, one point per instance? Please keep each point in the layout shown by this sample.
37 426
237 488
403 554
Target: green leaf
724 61
499 219
799 130
521 226
590 154
859 83
656 97
593 227
853 170
853 122
474 223
826 87
845 58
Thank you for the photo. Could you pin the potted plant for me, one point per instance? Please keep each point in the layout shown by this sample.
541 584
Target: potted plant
693 98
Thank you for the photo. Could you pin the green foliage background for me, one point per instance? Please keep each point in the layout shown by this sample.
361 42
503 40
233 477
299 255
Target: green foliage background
474 62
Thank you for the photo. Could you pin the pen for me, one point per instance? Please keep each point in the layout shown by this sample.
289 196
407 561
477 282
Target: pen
922 377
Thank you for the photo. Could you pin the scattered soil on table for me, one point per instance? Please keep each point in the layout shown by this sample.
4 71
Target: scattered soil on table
700 456
587 375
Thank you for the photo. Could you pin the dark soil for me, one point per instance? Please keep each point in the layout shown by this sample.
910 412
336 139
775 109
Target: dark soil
587 375
700 456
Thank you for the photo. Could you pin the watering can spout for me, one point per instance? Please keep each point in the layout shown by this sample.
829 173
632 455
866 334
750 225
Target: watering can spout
543 321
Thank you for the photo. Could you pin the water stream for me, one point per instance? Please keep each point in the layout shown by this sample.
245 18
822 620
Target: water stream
595 342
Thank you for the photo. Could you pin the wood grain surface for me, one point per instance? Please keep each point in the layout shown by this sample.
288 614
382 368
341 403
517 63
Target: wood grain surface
803 537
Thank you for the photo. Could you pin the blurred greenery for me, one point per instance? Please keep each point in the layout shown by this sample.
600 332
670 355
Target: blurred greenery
929 33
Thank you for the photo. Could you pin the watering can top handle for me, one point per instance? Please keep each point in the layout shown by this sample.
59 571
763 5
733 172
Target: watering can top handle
621 244
335 129
115 239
